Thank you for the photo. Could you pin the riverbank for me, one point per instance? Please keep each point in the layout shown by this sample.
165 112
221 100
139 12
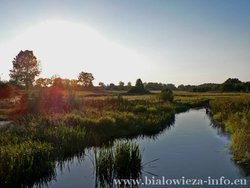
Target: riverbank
230 111
58 134
234 115
32 143
191 148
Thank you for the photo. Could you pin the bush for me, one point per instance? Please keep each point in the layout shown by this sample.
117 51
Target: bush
217 117
166 95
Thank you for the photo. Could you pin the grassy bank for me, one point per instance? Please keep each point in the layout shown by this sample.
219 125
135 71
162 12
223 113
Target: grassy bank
234 114
60 136
231 111
60 126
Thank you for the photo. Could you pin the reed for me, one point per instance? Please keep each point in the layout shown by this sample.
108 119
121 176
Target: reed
122 161
19 162
234 114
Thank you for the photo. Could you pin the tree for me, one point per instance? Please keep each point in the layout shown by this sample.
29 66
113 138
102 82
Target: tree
85 79
25 68
138 88
102 85
232 84
128 86
40 82
43 82
121 85
58 82
73 84
139 84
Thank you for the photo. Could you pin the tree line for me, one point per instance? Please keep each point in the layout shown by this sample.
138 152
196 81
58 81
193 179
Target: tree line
230 85
26 68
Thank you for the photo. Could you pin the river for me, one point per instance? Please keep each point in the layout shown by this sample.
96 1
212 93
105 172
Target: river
190 149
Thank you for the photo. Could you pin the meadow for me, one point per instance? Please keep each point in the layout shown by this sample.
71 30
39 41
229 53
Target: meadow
59 126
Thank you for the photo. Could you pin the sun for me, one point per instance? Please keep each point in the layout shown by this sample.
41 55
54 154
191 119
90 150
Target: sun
67 48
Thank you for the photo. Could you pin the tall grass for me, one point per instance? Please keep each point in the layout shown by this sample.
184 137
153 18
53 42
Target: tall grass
234 114
19 162
66 134
123 161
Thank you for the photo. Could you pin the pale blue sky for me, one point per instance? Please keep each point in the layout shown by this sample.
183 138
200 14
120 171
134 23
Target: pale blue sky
174 41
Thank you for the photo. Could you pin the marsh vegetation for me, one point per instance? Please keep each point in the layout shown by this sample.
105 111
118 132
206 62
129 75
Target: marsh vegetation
122 161
59 118
69 124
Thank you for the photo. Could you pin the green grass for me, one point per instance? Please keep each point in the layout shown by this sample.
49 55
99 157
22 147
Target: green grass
18 163
122 161
230 110
234 114
93 120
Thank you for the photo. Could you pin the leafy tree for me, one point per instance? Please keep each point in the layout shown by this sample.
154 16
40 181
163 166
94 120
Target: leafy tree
129 84
138 88
85 79
232 84
58 82
111 86
25 68
139 84
43 82
159 86
66 83
247 86
101 84
121 85
73 84
40 82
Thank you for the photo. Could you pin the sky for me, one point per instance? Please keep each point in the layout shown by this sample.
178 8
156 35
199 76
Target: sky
168 41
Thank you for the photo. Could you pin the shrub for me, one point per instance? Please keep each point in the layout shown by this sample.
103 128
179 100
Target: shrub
217 117
166 95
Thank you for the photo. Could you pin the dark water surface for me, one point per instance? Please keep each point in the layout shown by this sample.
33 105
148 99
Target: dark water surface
191 148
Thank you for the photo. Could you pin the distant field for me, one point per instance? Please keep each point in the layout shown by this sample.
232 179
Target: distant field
187 93
183 97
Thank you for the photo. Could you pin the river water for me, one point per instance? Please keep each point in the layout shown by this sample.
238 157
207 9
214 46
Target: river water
190 149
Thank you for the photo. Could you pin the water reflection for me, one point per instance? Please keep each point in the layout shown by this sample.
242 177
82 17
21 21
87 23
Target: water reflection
190 147
225 136
122 161
38 176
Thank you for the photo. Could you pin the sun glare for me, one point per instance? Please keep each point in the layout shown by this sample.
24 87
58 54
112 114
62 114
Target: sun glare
66 48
